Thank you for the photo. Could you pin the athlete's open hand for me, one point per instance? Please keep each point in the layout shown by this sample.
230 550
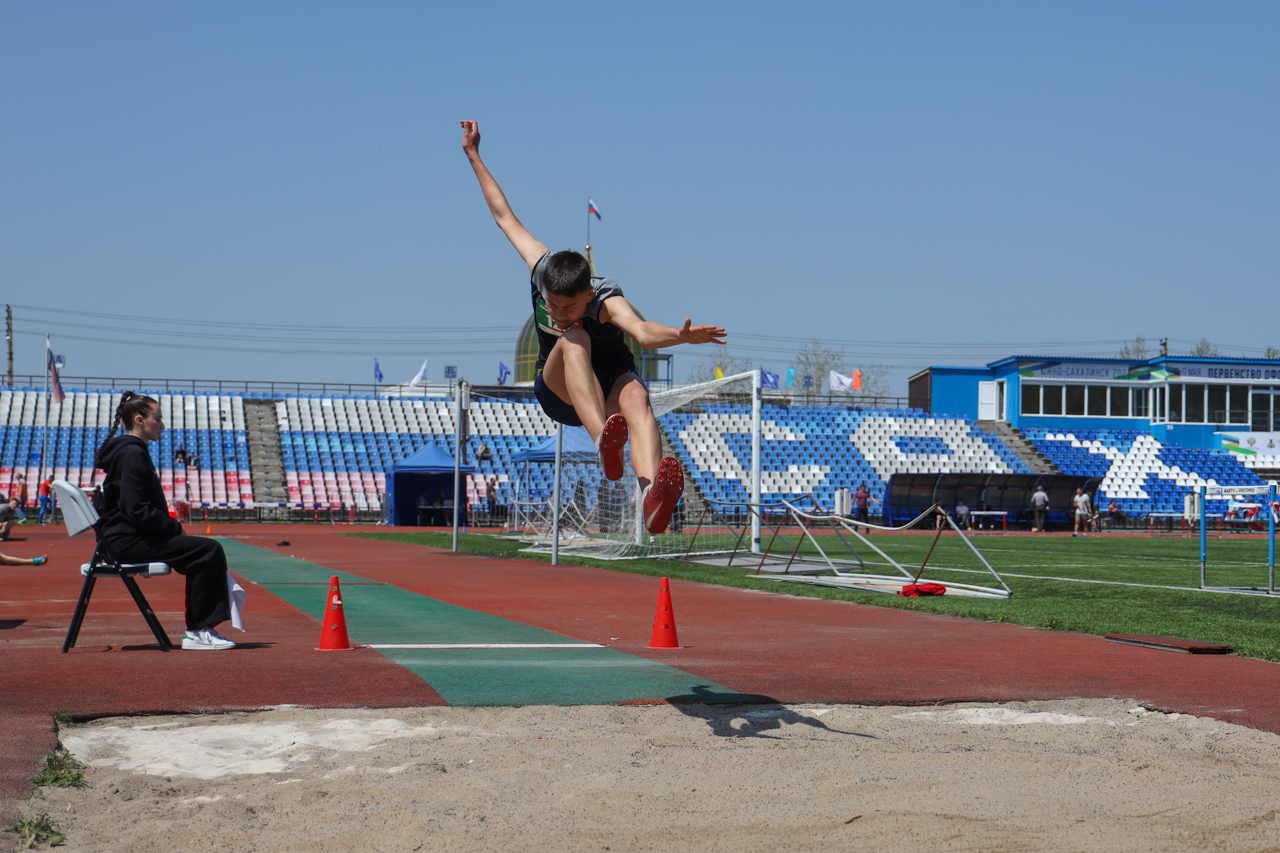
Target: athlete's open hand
470 135
691 334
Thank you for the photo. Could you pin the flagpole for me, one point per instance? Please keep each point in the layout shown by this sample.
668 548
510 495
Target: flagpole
588 223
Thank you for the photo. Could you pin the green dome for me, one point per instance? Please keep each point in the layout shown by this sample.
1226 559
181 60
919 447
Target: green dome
527 351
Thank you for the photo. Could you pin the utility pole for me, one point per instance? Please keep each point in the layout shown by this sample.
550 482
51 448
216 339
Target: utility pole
8 337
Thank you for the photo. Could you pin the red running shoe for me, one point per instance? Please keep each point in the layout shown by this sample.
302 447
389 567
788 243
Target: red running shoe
662 496
609 445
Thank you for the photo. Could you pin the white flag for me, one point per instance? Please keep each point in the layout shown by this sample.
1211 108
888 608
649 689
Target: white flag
840 382
421 379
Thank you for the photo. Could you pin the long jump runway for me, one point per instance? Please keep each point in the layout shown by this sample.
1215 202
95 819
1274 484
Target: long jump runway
473 630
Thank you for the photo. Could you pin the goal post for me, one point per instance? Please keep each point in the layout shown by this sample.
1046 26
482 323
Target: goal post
1208 493
607 523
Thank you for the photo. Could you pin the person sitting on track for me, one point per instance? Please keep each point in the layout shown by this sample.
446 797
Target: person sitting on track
6 560
8 516
586 373
137 526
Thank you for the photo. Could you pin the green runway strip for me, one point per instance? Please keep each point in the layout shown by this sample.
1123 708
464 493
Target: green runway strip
500 662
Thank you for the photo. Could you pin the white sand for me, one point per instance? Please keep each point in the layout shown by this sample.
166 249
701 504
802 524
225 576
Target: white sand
1068 775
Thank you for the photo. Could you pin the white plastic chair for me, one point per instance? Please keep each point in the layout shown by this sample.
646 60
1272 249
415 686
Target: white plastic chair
79 514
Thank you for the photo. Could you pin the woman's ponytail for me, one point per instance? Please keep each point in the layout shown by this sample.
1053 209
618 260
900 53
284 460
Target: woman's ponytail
131 405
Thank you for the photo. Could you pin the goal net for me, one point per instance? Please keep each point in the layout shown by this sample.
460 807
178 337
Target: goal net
601 520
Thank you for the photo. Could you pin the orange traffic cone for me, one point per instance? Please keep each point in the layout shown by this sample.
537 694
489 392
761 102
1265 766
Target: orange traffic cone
664 621
333 631
208 528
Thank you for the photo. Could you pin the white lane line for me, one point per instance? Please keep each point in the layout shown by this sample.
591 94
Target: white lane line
486 646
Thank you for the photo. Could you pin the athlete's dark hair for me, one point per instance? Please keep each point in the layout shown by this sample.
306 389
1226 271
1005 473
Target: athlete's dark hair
567 273
131 406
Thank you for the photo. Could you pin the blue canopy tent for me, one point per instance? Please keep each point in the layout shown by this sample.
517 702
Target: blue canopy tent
429 470
578 447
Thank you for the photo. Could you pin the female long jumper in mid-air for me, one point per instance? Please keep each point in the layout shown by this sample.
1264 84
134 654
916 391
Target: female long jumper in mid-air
586 374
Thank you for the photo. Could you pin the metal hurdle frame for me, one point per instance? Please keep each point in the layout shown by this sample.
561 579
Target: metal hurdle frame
880 583
1225 493
1004 521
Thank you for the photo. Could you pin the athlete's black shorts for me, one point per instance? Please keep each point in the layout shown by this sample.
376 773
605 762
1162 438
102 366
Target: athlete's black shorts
560 411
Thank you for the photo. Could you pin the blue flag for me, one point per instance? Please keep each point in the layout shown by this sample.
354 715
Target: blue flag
503 373
767 379
791 376
377 371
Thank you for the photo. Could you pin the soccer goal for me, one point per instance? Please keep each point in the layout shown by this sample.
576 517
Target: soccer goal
1263 519
587 516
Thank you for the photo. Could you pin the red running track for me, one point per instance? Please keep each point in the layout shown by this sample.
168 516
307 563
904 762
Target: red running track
779 647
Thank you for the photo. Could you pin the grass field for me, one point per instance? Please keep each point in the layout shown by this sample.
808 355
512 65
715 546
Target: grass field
1099 585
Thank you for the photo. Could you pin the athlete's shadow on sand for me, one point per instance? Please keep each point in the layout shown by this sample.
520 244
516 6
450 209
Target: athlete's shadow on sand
758 714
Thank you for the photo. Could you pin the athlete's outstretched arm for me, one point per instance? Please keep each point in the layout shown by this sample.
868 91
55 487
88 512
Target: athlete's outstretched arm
651 335
528 246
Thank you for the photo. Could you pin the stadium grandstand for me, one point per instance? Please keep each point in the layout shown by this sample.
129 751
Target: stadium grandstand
1120 427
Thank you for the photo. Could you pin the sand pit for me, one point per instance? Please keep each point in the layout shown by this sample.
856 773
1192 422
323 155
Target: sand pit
1064 775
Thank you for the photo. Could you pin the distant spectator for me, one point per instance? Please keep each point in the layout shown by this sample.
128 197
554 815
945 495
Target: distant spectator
20 492
46 499
484 454
8 517
962 515
491 496
193 461
1040 507
860 500
1115 513
940 517
1084 512
180 456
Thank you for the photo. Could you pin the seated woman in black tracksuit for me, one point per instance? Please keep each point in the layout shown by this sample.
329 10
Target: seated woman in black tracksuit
138 528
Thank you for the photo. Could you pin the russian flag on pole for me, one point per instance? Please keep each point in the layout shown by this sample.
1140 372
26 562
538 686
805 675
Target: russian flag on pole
591 208
55 384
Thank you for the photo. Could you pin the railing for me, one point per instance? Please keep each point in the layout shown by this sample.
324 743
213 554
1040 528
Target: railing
782 396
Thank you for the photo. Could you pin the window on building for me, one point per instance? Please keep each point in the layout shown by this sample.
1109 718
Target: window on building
1053 399
1238 404
1275 413
1119 402
1030 404
1075 399
1140 399
1097 401
1261 409
1193 407
1175 404
1217 404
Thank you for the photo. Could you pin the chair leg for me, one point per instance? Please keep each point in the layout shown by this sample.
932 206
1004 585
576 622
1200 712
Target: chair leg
78 618
147 613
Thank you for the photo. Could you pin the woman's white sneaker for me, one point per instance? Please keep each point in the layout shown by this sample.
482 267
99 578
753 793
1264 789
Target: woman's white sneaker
206 639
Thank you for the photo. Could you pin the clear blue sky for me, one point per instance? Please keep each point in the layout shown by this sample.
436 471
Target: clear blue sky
918 183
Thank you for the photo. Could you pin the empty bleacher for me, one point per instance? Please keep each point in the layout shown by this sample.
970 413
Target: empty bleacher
1141 473
816 450
337 449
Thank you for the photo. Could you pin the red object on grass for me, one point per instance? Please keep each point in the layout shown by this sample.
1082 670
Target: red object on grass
915 590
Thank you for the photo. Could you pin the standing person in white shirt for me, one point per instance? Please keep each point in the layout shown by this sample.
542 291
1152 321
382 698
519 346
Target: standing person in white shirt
1084 511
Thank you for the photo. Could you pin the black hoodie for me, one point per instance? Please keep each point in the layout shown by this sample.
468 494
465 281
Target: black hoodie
134 504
